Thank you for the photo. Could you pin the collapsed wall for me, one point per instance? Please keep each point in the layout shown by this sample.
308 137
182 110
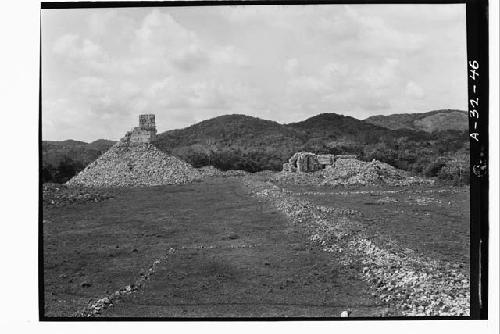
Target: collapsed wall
302 162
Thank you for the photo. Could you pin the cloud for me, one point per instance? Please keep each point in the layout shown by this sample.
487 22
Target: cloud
414 90
376 37
228 55
74 47
284 63
291 66
171 92
190 59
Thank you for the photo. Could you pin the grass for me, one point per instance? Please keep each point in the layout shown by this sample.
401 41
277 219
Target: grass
253 262
432 221
235 256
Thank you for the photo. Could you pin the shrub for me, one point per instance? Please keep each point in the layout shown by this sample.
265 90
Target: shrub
433 168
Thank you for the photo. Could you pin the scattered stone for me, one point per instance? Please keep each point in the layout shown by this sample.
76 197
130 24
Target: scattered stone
60 195
210 171
101 304
414 284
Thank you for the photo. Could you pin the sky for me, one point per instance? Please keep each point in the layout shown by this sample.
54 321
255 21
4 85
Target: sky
101 68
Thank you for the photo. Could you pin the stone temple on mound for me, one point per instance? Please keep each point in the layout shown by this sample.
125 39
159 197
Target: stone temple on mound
142 134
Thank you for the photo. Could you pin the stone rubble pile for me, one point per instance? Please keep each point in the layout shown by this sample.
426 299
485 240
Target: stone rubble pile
412 284
348 172
135 165
354 172
236 172
59 195
209 171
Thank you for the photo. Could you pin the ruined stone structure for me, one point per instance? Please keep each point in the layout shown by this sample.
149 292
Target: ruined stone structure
302 162
147 122
325 159
307 162
144 133
346 156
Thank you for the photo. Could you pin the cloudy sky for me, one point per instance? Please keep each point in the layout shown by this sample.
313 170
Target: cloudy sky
101 68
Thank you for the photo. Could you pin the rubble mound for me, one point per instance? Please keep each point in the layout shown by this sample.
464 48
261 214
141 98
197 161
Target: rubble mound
126 165
357 172
208 171
348 172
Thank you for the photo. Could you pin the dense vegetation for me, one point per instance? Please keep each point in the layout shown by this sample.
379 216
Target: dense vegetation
434 121
61 173
248 143
61 160
252 144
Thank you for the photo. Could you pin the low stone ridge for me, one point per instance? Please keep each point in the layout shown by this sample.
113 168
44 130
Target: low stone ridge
414 284
210 171
60 195
142 164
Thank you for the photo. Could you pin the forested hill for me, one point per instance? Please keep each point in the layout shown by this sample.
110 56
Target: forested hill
63 159
253 144
433 121
244 142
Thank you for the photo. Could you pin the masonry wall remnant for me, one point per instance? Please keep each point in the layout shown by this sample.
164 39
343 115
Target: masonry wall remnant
144 133
307 162
147 122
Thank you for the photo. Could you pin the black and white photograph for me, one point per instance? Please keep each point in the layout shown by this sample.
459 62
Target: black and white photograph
261 161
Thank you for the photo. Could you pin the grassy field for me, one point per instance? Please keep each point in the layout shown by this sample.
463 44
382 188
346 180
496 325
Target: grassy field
432 221
234 256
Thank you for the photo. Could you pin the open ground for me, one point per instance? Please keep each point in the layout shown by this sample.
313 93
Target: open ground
214 249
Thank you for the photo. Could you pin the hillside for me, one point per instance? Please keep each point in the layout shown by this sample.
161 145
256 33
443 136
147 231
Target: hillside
253 144
233 142
62 159
433 121
233 130
330 126
55 152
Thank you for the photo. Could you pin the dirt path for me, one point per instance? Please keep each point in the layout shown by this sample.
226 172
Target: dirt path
236 257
